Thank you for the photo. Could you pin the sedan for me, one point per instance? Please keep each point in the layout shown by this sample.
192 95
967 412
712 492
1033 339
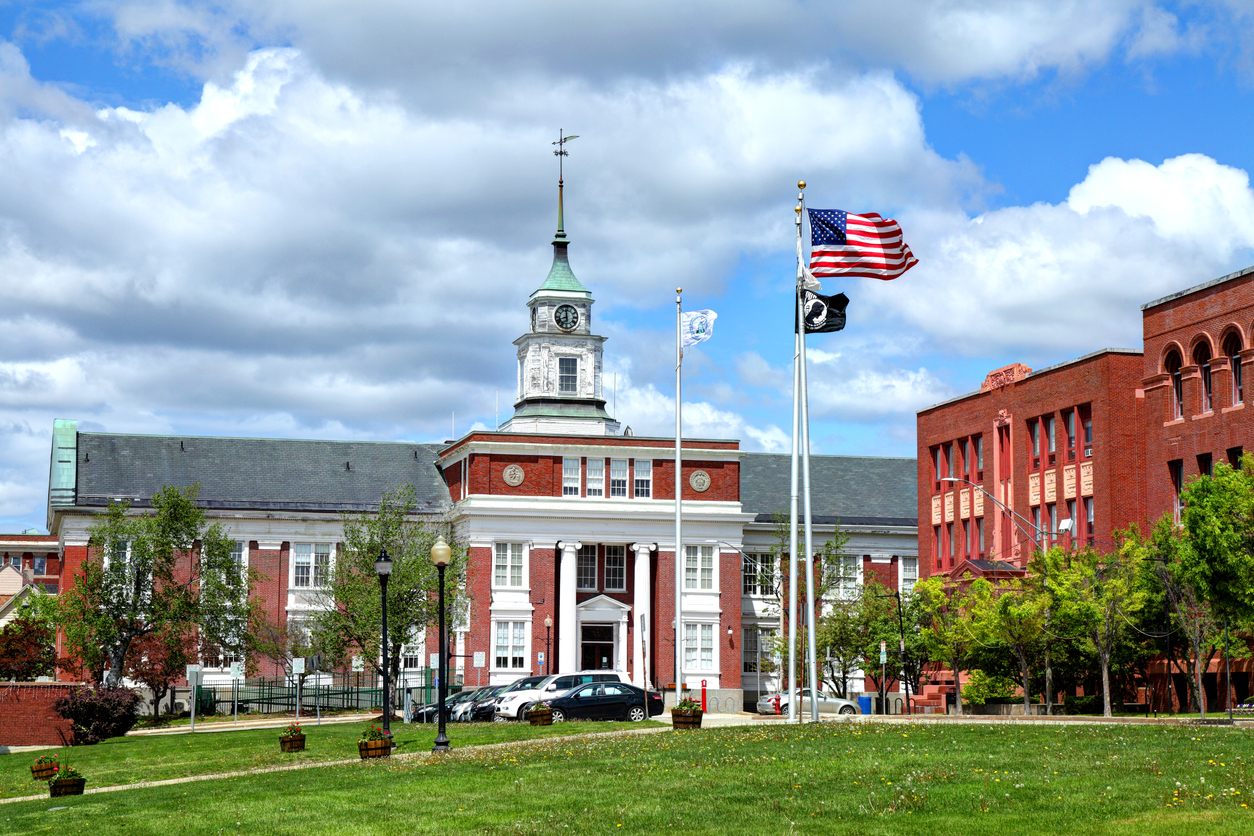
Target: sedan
828 703
606 701
429 713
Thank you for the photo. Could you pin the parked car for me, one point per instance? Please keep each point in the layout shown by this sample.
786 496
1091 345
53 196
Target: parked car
514 706
606 701
429 713
461 714
486 709
483 706
828 704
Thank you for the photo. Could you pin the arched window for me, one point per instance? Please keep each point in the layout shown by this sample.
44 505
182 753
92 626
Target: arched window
1232 350
1201 358
1172 364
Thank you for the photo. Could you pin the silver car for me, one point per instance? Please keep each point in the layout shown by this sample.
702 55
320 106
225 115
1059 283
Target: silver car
828 704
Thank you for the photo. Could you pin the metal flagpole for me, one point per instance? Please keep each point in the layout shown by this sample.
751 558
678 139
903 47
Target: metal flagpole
792 530
679 434
805 471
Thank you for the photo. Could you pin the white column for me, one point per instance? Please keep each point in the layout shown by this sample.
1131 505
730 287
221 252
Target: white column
620 646
641 611
567 627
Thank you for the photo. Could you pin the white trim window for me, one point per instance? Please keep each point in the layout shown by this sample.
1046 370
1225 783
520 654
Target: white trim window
618 478
311 565
570 476
596 478
698 567
644 478
507 568
40 564
848 575
699 647
615 568
758 572
586 569
511 645
568 375
909 572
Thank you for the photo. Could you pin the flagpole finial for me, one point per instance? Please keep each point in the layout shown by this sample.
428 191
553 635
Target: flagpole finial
679 290
801 184
797 209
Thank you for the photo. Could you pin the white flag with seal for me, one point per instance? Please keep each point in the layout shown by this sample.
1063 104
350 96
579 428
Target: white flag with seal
697 327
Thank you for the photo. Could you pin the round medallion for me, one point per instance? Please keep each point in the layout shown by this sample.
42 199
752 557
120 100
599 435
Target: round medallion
700 481
566 317
514 475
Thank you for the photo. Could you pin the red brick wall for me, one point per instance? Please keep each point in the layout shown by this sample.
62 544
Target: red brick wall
544 599
27 717
724 480
479 588
729 601
270 592
662 642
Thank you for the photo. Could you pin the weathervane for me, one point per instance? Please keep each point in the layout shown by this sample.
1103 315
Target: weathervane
559 153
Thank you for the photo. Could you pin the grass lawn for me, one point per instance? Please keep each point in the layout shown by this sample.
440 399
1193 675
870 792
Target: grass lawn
775 779
130 760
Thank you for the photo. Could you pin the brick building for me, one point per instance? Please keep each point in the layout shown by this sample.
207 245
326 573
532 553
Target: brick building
567 516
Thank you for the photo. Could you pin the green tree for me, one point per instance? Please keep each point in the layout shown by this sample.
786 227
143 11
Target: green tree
149 572
351 617
949 631
1012 615
1219 523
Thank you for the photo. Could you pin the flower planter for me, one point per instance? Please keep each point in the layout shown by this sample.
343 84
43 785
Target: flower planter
43 771
292 743
540 716
686 719
66 786
374 748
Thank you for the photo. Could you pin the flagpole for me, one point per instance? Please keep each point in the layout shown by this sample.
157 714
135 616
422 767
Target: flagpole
793 710
805 471
679 551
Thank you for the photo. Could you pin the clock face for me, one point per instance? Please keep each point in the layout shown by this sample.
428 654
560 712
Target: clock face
566 317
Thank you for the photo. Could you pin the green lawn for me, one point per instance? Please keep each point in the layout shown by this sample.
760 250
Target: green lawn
774 779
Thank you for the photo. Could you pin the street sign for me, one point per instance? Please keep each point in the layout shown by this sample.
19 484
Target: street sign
481 659
237 671
193 675
298 666
883 653
540 658
435 660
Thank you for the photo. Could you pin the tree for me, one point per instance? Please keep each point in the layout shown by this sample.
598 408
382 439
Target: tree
351 616
149 572
1012 615
949 632
158 658
1219 523
27 648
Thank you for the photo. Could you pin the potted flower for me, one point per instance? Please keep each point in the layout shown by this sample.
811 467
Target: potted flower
65 780
291 738
374 743
44 767
541 714
686 714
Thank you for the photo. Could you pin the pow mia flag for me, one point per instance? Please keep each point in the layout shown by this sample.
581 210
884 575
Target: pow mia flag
823 314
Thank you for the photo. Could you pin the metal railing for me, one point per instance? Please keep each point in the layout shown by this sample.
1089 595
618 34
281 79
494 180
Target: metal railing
319 692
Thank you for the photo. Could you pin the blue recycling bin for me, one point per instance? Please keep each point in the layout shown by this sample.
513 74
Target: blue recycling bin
865 704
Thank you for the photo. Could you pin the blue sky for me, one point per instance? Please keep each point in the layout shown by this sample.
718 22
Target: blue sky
320 219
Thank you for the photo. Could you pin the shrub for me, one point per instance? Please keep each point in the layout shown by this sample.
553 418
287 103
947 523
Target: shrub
99 713
687 704
1091 704
981 688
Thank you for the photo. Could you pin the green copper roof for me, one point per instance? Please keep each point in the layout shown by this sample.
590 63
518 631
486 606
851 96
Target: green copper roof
561 277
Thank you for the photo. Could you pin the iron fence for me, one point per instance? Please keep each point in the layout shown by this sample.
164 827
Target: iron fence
320 691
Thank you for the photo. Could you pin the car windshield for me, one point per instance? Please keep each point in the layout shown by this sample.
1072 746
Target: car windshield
524 684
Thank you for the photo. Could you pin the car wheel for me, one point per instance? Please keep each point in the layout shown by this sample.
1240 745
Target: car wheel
847 709
559 716
636 713
499 718
524 710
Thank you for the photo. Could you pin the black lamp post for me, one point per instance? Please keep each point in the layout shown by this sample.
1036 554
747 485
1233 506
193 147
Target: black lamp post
548 635
901 627
383 565
441 554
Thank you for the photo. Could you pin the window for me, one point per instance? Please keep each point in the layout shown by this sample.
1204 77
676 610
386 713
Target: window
1205 465
699 647
966 455
570 476
1075 524
1172 365
845 569
1068 418
616 568
508 566
1051 511
1034 430
411 656
644 478
596 477
1036 522
1234 459
14 560
1201 358
311 564
586 568
758 572
1232 350
618 477
936 466
511 644
698 567
978 443
40 566
936 546
909 573
1049 438
567 375
1175 469
1088 519
979 533
953 544
1086 421
756 648
237 553
949 460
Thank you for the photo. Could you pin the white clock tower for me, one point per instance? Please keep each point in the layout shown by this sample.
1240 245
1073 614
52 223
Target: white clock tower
559 358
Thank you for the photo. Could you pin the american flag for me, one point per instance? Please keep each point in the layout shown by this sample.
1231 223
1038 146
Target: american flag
868 246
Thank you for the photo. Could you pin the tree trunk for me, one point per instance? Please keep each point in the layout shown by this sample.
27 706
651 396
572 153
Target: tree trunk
1104 655
1027 692
957 687
1197 680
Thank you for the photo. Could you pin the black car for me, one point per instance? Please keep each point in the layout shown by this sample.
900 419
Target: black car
485 704
429 713
606 701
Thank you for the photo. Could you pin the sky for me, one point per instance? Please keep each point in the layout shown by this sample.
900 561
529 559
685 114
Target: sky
315 219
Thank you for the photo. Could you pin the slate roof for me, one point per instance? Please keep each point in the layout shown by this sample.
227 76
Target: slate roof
256 473
856 490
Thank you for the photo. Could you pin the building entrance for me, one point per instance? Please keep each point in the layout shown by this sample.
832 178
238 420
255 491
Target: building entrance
596 647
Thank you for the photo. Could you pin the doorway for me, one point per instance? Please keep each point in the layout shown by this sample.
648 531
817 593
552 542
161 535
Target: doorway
596 647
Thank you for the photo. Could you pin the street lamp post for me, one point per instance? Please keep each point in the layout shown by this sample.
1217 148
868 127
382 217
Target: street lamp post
441 554
548 635
383 566
901 629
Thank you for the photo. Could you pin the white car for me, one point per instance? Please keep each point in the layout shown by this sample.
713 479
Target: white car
514 705
828 704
